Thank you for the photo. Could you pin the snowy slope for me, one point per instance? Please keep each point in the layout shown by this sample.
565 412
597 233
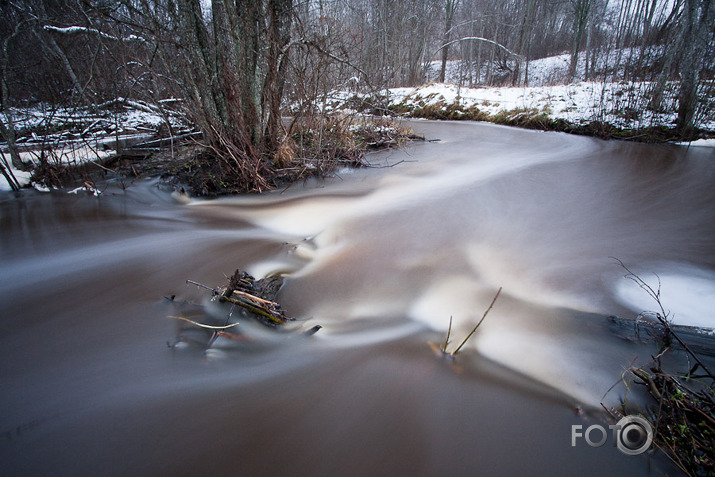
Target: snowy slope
552 70
614 103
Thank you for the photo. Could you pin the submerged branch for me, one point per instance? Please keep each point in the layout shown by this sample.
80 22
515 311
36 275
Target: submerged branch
202 325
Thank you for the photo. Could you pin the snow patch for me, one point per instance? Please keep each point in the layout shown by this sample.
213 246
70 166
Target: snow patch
85 188
686 292
698 143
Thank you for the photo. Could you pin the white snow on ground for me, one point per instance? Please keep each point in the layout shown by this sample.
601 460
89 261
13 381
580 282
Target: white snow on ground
551 70
699 143
622 104
80 134
580 103
130 117
67 154
23 177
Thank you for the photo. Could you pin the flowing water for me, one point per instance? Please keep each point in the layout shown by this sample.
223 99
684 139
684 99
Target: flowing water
381 258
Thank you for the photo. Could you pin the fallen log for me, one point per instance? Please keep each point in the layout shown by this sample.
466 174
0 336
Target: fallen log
700 340
164 142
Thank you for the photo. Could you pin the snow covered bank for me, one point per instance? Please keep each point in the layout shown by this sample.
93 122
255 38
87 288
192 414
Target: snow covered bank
75 135
623 105
67 154
551 93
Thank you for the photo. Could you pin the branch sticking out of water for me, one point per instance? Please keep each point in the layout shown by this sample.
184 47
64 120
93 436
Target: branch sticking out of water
454 353
255 296
653 293
449 332
443 349
663 317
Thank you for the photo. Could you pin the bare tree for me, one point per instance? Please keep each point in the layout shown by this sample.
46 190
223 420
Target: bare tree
229 62
7 126
697 40
581 12
450 8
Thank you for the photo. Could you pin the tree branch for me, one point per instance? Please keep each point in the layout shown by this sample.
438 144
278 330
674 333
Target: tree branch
478 38
71 30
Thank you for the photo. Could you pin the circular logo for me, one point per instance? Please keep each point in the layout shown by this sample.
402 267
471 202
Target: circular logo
634 435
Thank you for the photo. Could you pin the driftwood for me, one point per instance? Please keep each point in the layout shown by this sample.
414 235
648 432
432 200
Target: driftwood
255 296
256 299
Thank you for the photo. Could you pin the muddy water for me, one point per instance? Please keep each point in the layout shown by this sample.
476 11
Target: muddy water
381 258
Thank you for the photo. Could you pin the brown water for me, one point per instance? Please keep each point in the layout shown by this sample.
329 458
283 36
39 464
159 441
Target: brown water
381 258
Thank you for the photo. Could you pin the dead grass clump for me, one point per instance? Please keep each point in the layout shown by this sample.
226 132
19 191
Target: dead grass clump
532 118
320 147
286 153
51 175
441 110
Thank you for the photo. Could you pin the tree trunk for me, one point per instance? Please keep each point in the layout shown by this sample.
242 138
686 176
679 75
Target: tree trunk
697 17
449 8
524 40
581 14
656 100
60 54
8 130
280 18
235 77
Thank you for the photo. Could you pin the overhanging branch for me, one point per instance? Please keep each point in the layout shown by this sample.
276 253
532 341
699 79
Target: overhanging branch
478 38
78 29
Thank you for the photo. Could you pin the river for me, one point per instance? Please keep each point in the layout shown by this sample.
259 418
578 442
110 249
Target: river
381 258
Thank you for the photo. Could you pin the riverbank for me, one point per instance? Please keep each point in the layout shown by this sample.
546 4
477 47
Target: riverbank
81 152
53 137
600 109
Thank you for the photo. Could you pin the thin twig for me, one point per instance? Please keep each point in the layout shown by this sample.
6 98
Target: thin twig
201 285
449 332
480 322
203 325
254 298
